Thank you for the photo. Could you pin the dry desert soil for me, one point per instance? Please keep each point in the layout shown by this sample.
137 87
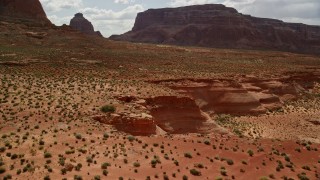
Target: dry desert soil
79 107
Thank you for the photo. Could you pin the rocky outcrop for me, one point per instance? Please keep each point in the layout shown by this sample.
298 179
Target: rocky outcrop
134 124
247 95
23 9
215 25
81 24
176 114
197 101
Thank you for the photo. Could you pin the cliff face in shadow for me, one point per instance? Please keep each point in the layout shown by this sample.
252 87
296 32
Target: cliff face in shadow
26 9
80 23
215 25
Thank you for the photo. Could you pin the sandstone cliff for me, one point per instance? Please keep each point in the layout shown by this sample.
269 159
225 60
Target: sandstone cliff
23 9
215 25
80 23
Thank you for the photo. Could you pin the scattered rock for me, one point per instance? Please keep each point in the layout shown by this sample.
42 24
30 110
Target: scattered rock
38 35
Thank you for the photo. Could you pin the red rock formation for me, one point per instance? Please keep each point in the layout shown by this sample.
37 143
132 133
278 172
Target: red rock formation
23 9
222 97
176 114
220 26
135 125
246 96
81 24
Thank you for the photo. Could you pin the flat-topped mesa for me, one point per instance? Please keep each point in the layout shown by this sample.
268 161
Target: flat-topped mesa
80 23
23 9
215 25
198 14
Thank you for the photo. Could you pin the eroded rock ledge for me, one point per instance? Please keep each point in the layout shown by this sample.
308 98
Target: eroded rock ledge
201 99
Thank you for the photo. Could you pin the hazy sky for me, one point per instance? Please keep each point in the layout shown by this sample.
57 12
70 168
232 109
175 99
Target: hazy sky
117 16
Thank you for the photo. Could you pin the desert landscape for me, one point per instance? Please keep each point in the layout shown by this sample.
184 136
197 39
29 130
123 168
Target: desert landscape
75 105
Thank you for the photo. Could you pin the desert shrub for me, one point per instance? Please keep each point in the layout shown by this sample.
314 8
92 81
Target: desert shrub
223 119
250 152
47 155
306 168
61 161
108 108
2 170
289 165
287 158
70 151
154 161
271 176
207 142
303 176
63 171
165 177
176 162
78 136
199 165
41 142
8 176
105 165
89 159
136 164
78 167
131 138
105 136
77 177
4 136
229 161
188 155
244 162
14 156
195 172
105 172
2 149
223 172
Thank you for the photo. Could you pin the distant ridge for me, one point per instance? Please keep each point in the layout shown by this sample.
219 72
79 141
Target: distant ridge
215 25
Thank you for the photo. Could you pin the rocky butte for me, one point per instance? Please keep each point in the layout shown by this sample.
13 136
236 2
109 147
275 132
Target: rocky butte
81 24
215 25
23 9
